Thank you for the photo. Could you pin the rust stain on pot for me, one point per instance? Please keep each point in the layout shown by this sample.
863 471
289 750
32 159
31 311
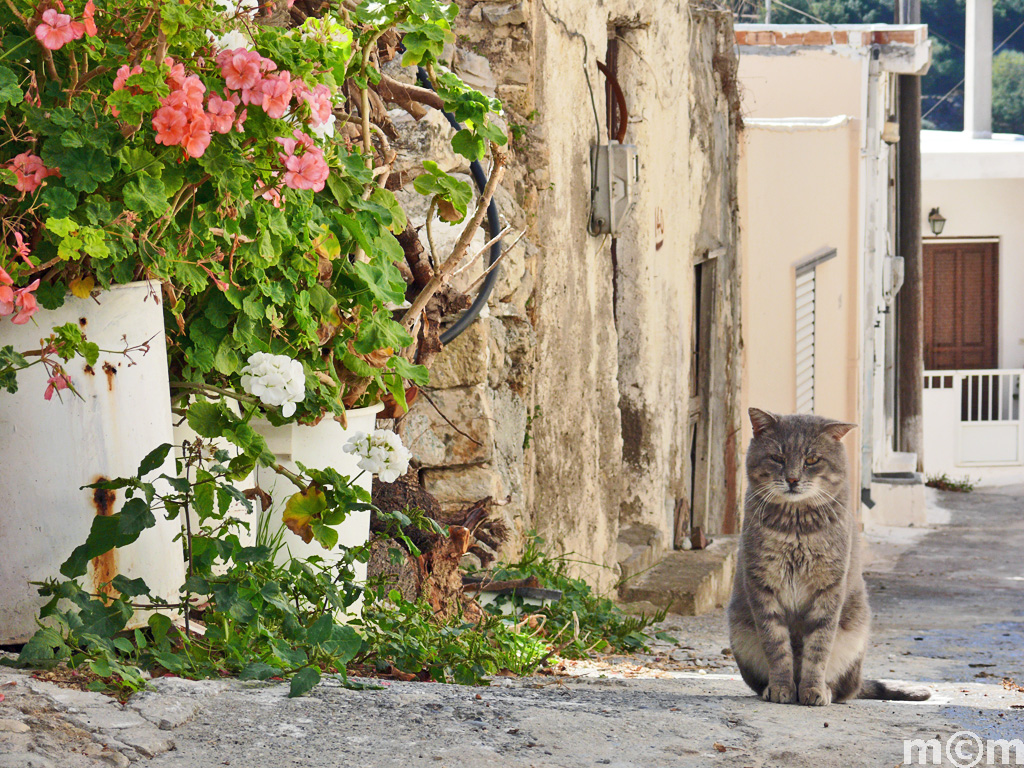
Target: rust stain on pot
111 372
83 322
88 369
104 567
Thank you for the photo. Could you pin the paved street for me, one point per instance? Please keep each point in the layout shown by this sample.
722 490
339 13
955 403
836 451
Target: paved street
949 612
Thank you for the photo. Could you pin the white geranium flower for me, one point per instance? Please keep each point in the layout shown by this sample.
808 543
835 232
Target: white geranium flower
229 41
277 380
380 453
324 131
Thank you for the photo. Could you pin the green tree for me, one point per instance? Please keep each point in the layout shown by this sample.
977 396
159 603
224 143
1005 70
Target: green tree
1008 92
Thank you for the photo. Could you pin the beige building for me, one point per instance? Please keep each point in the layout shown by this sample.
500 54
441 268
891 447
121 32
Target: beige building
589 398
817 209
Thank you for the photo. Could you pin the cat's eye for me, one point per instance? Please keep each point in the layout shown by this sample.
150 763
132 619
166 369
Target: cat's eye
810 461
777 458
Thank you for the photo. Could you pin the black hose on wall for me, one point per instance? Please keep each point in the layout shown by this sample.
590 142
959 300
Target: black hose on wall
493 226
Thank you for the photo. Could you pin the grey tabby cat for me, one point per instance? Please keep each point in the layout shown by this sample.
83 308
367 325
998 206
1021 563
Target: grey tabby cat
799 616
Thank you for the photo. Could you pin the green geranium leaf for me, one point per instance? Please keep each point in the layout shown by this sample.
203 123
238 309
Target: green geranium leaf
51 295
344 645
154 459
320 631
303 681
469 145
147 193
208 419
446 189
418 374
60 200
83 168
109 532
10 91
258 670
130 587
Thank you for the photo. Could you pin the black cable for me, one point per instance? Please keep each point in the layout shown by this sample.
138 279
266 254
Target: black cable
493 225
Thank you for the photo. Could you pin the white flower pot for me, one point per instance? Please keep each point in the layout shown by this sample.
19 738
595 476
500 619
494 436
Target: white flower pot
318 447
48 450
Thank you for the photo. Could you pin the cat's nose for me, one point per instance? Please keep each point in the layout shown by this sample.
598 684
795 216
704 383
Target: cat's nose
792 481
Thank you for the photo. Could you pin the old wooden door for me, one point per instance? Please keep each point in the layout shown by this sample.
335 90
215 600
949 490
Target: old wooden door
961 305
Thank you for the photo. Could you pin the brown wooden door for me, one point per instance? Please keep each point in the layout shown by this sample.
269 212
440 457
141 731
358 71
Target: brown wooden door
961 305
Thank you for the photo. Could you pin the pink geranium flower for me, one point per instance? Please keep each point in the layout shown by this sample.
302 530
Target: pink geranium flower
181 119
170 125
56 383
240 68
25 302
307 171
197 137
21 247
57 29
277 94
6 293
123 74
89 18
193 90
222 112
320 104
30 171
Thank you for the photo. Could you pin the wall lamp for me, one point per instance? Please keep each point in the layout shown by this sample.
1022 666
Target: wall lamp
936 221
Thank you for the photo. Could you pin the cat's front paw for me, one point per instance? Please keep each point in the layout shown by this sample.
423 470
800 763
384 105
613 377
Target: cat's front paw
816 695
780 693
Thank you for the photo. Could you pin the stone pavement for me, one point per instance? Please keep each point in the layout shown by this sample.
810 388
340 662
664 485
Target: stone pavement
949 607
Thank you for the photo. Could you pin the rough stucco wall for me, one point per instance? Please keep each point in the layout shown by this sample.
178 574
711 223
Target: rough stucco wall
550 365
685 209
577 439
605 381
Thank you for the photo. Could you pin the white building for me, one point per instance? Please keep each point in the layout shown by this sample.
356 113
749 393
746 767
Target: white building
974 278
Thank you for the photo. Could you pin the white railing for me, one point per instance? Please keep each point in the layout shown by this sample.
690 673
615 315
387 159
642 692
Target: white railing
972 419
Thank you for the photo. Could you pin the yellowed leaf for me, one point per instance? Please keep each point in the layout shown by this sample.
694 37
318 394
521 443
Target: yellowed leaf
302 509
82 286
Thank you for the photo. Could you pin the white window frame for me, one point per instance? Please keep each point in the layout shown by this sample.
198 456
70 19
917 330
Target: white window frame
806 333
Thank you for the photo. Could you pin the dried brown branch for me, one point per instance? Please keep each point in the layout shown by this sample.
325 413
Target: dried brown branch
494 264
414 255
444 274
482 250
407 96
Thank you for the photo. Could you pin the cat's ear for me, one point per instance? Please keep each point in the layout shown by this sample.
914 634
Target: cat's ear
837 429
761 420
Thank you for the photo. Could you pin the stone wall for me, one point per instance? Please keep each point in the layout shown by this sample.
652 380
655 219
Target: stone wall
571 399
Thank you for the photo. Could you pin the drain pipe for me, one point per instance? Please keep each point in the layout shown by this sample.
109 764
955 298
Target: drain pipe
493 226
871 221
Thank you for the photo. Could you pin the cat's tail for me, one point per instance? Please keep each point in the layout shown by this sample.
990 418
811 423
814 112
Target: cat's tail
876 689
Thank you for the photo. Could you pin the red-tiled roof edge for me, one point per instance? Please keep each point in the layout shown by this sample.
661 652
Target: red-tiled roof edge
854 35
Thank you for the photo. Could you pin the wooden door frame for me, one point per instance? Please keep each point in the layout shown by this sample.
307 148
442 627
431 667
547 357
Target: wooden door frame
692 512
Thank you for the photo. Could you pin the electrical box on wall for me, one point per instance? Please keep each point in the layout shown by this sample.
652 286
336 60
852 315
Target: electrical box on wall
892 277
616 170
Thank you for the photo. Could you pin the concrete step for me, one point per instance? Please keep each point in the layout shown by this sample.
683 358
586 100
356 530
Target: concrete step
640 548
686 582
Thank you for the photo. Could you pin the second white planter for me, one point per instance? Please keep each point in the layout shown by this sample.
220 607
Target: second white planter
320 446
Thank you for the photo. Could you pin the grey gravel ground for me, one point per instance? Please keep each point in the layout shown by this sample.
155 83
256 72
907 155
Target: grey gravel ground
949 607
